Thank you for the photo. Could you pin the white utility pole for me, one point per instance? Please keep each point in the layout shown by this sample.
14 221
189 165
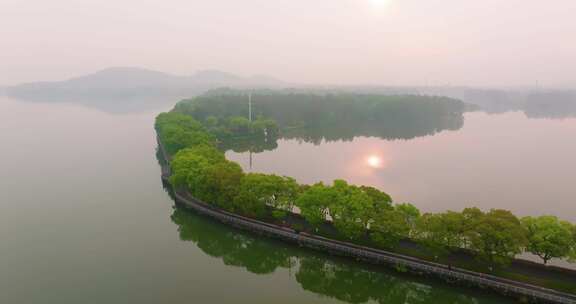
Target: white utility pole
250 106
250 119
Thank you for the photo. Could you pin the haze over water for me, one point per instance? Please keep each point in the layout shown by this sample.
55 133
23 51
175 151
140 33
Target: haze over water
385 42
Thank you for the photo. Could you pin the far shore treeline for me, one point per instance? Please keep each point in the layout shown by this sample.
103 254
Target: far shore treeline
193 131
315 117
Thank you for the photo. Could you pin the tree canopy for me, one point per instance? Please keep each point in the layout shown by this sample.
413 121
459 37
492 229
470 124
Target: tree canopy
548 237
497 236
314 203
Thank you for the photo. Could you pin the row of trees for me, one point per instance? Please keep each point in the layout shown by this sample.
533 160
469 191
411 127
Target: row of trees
331 116
179 131
358 213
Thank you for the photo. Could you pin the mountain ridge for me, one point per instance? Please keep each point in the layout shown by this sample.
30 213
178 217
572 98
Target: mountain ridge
136 77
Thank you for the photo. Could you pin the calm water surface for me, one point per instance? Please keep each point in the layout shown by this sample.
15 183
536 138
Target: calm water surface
84 217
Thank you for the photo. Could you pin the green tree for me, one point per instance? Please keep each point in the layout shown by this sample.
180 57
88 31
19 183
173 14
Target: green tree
209 152
211 122
548 237
572 255
172 118
176 138
272 128
250 200
442 232
221 184
455 229
285 193
410 214
259 191
258 128
431 232
388 228
351 209
470 216
379 198
178 131
239 125
184 164
314 202
497 236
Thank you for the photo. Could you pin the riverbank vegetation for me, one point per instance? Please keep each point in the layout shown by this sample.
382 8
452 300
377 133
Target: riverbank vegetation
358 214
314 118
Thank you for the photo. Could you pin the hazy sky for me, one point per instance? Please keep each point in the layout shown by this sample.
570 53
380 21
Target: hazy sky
488 42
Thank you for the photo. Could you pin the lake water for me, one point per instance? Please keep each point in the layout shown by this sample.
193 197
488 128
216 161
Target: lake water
84 217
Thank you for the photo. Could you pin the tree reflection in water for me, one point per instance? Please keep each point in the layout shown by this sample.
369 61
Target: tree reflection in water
318 133
321 274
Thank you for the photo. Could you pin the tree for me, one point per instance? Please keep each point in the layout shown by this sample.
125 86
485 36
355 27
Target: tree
221 183
388 228
211 122
193 161
410 214
572 255
430 231
441 232
548 237
249 200
258 191
351 209
379 198
209 152
184 164
215 127
272 128
497 236
178 131
239 125
172 118
470 216
314 202
285 196
265 128
455 229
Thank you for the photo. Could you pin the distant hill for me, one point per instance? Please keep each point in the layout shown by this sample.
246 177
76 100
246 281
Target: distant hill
131 89
132 81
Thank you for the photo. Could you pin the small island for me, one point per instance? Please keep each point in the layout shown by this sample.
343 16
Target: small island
470 247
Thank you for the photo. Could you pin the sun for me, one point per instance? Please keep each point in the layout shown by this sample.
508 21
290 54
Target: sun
379 3
374 161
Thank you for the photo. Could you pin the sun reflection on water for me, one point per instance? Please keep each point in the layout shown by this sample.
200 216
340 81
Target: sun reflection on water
374 161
